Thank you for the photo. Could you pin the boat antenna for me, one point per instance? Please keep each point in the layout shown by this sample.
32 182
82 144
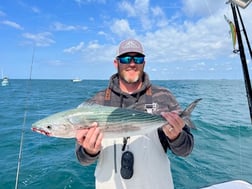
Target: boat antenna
24 123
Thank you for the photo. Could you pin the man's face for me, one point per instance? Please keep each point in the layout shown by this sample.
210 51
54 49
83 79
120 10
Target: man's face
131 72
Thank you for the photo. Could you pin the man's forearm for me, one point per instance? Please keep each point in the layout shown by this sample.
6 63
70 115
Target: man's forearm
83 157
183 145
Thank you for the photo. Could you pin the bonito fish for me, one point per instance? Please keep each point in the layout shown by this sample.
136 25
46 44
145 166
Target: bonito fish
113 121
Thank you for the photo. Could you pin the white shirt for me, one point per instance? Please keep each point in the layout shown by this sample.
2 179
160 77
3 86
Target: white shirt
151 164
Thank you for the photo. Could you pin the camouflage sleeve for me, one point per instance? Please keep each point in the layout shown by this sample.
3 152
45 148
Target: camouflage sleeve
183 145
83 157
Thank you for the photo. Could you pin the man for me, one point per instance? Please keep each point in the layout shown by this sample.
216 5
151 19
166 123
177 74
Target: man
135 162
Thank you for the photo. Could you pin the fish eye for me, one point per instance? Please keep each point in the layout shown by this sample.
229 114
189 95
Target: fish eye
49 127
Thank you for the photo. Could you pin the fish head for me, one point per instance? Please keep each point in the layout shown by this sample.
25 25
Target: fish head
59 127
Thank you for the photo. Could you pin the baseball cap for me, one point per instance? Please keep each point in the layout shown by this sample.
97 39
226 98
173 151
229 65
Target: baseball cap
130 45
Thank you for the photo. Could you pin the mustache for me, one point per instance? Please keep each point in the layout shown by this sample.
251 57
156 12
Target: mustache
131 68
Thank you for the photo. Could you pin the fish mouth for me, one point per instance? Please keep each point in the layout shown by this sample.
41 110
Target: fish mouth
41 131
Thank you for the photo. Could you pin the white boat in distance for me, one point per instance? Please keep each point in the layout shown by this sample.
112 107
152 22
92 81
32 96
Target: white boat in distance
76 80
5 81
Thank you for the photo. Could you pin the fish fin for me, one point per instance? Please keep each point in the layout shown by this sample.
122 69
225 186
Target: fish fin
188 110
88 103
75 120
190 124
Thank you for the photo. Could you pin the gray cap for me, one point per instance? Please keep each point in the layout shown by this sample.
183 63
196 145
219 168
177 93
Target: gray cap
130 45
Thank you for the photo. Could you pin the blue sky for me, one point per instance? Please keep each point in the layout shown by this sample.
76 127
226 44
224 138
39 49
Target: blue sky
183 39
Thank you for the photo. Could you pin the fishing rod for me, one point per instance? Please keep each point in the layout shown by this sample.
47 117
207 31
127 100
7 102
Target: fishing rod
243 57
244 31
23 127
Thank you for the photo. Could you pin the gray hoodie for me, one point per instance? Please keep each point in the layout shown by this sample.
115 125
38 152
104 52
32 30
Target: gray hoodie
162 101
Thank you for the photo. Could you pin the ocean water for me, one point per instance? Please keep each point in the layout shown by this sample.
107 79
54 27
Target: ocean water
223 138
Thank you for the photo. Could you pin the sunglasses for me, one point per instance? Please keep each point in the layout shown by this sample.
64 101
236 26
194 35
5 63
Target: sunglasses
128 59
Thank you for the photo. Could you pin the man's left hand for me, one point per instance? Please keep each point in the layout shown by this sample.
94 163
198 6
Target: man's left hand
174 126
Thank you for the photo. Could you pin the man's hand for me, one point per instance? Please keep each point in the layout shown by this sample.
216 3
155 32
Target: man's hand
90 139
174 126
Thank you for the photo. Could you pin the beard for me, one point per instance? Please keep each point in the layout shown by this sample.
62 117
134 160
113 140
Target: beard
128 77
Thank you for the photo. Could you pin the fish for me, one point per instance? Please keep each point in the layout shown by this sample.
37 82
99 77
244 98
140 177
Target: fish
114 122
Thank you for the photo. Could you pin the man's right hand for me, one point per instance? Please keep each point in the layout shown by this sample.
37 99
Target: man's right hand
90 139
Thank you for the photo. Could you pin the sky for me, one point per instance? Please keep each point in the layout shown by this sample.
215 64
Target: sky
66 39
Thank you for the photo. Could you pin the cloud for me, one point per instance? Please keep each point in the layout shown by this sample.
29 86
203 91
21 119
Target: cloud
201 7
142 11
160 17
40 39
93 45
94 50
62 27
206 38
74 49
128 8
80 2
29 7
139 9
121 28
12 24
91 50
102 33
35 9
194 44
185 42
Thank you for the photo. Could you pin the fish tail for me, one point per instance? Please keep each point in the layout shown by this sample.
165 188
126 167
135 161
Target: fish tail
188 110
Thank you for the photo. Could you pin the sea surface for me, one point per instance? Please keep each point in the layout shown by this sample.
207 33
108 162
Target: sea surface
223 138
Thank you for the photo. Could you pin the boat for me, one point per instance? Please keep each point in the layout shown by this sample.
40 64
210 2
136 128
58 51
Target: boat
76 80
5 81
234 184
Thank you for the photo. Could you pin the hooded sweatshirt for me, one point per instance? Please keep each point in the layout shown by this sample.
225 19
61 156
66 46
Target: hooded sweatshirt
151 168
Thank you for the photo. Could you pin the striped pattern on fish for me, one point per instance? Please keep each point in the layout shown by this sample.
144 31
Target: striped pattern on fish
113 121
